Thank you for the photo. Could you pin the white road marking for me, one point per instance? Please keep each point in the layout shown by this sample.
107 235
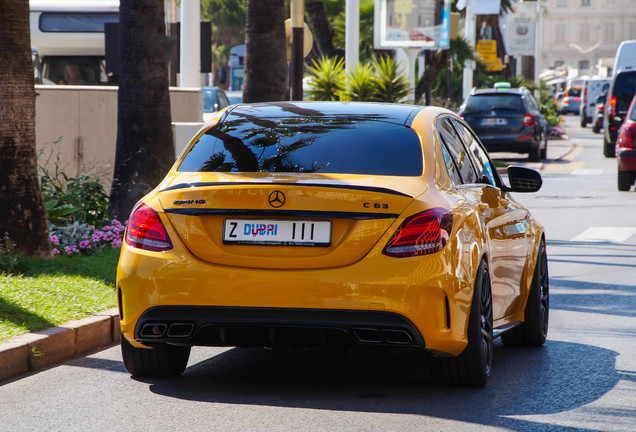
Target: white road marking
606 234
587 171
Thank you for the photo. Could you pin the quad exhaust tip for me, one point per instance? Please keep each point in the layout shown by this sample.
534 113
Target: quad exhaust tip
377 336
174 330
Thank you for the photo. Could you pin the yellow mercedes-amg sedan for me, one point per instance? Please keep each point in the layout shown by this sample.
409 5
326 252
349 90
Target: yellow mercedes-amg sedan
334 224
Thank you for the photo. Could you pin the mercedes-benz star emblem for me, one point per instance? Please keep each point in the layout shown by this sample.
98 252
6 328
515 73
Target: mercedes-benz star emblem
276 199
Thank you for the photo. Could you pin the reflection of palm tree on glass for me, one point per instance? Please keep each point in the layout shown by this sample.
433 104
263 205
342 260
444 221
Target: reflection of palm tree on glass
278 142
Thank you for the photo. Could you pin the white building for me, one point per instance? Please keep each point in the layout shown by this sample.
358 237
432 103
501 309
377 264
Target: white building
583 34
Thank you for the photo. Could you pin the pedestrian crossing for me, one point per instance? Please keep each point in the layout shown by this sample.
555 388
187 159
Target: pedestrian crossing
606 234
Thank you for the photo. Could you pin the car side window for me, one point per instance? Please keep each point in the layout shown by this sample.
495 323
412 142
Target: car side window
484 167
457 150
223 100
450 166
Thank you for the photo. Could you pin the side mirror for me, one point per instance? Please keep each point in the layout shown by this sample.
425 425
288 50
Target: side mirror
523 179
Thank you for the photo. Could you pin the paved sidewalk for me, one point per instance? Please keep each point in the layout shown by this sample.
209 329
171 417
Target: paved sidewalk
33 351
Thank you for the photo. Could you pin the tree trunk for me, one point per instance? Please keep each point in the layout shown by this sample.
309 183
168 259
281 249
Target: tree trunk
145 150
22 215
323 36
265 51
433 64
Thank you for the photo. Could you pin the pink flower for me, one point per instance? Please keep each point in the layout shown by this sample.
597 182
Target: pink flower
108 236
85 244
116 243
54 240
55 251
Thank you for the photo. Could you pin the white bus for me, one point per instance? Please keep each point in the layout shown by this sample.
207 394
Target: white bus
69 39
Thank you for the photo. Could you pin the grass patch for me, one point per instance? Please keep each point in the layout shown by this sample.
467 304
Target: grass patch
46 293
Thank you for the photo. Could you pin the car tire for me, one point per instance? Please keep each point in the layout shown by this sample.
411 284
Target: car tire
625 180
161 360
534 330
543 154
608 149
595 128
473 366
583 122
534 155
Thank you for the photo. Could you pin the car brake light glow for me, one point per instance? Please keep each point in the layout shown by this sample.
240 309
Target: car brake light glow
146 231
611 107
528 119
626 136
421 234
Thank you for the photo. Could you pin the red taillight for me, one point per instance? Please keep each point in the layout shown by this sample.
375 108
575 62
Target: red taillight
585 95
528 119
601 107
611 107
626 136
422 234
146 231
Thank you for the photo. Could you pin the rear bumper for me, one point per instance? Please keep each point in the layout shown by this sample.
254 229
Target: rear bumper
229 326
511 144
380 301
626 158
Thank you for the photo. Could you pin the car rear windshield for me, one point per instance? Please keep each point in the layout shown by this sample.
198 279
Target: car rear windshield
344 145
624 90
490 102
574 92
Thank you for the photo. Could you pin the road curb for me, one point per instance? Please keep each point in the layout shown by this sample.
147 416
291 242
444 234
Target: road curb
33 351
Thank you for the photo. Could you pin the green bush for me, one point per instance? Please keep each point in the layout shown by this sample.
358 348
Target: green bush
379 81
360 85
392 84
72 199
327 79
8 257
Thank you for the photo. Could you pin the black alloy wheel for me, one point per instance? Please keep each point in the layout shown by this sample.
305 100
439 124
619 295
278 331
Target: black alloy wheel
473 366
534 331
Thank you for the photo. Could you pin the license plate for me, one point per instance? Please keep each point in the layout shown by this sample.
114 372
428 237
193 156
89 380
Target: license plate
495 121
277 232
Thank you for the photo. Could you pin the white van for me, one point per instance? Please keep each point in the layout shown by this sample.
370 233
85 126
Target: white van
625 56
69 39
592 88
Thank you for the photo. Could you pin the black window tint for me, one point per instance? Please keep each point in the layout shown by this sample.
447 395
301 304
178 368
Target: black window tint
223 101
624 89
489 102
483 164
346 145
76 22
457 150
450 166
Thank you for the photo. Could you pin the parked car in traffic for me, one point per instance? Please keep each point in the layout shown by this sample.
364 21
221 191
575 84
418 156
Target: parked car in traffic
626 149
348 225
235 96
592 89
597 116
507 120
571 100
214 99
558 100
621 91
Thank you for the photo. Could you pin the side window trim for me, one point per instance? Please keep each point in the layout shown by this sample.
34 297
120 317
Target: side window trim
498 183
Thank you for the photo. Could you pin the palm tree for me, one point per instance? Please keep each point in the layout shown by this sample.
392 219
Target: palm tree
265 51
22 215
145 150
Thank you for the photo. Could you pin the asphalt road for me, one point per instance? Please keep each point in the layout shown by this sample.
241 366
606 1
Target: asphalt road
583 379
